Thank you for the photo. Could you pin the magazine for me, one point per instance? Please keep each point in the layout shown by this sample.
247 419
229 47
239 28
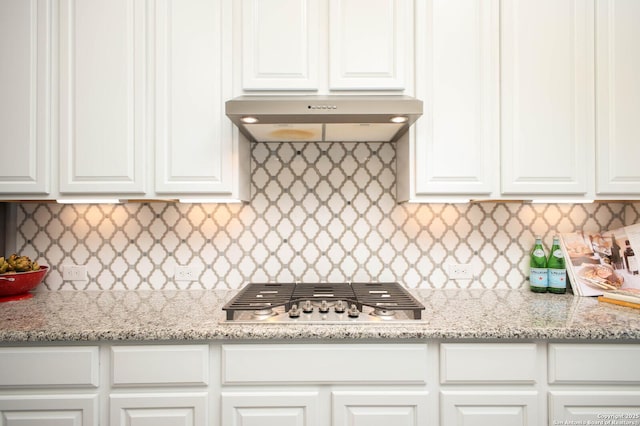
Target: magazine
603 262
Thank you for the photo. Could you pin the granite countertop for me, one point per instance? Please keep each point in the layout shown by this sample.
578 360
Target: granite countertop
196 315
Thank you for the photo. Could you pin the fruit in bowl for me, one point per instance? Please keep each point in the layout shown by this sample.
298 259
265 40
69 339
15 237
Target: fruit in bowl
19 275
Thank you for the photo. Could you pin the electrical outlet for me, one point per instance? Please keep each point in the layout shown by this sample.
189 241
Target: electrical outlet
74 273
460 271
184 273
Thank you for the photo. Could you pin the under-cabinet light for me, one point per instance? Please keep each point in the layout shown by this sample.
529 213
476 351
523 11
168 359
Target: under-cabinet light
440 201
561 201
210 200
89 201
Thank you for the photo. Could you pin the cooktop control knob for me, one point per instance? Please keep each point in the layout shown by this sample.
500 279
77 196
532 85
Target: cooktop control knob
353 311
324 307
307 308
340 307
294 312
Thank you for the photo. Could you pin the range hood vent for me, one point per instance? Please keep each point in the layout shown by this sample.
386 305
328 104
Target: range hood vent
339 118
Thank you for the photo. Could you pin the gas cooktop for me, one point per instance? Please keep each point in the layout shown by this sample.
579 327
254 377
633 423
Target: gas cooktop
323 302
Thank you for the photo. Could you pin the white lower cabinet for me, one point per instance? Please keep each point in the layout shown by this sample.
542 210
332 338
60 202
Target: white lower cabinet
491 384
49 386
159 385
594 384
426 382
318 384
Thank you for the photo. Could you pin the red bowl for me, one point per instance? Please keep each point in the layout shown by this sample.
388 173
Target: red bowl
21 282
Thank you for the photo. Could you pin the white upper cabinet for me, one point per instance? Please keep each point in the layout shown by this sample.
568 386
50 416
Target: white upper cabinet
280 44
103 89
195 150
325 45
618 97
547 87
457 61
368 43
26 96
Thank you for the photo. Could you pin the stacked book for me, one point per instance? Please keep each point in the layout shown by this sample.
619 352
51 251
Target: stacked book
604 264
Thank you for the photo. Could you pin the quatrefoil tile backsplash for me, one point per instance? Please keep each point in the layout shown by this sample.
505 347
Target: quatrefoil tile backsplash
319 212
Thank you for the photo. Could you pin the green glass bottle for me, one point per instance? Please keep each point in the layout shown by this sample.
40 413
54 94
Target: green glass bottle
538 274
557 269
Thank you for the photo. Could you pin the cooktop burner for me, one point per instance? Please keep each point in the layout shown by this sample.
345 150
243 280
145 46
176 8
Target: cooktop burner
323 302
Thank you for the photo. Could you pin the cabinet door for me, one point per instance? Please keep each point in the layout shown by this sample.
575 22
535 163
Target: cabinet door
25 103
195 149
102 96
457 140
618 97
547 111
369 44
166 409
280 44
489 408
376 408
594 407
266 408
47 410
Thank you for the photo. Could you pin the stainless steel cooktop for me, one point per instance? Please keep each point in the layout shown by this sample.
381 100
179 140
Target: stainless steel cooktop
323 303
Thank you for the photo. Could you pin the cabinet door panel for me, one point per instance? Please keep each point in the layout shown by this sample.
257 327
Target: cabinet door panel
194 146
49 410
378 408
76 366
25 103
166 409
146 365
269 408
457 140
594 407
600 363
335 363
489 408
368 41
102 96
547 96
618 97
280 44
501 363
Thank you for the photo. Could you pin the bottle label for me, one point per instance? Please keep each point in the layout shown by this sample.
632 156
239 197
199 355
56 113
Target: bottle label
538 277
558 253
558 278
538 253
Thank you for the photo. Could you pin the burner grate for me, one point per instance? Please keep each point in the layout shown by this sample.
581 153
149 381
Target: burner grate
256 296
390 296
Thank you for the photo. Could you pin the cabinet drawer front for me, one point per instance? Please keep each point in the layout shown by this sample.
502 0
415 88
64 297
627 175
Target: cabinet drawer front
601 363
488 363
160 365
31 367
334 363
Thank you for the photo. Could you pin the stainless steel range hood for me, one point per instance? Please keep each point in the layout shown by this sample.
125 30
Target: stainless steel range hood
339 118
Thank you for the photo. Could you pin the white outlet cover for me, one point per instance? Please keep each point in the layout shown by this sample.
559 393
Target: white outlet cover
184 273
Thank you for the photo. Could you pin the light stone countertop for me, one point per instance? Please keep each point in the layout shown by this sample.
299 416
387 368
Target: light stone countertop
196 315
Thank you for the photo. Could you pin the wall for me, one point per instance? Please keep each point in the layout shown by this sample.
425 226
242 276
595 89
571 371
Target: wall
319 211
